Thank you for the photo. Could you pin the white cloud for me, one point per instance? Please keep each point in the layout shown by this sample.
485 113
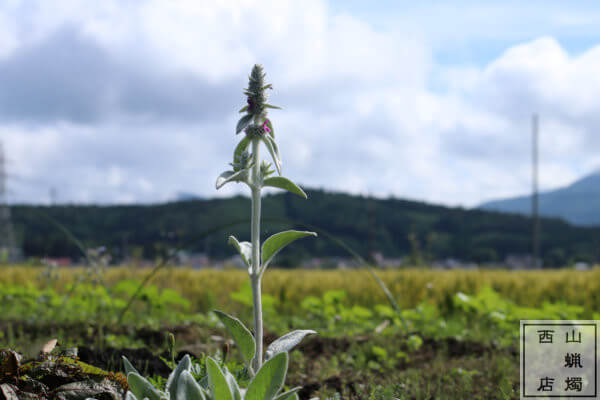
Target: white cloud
538 76
144 106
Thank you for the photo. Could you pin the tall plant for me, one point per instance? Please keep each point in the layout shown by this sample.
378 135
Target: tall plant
267 370
249 169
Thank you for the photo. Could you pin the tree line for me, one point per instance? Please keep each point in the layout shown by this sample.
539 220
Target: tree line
393 227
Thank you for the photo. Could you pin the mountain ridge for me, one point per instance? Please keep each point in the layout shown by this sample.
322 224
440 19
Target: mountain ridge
577 203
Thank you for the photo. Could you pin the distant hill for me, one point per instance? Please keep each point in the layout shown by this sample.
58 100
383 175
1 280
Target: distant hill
185 196
394 227
578 203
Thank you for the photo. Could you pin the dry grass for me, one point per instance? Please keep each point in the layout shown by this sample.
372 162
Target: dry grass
209 287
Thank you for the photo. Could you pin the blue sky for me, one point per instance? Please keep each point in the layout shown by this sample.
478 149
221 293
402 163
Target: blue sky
126 101
476 32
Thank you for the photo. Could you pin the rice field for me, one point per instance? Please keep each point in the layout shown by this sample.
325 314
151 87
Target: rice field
447 342
409 286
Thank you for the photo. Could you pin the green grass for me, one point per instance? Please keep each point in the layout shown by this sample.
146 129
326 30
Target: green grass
208 288
461 341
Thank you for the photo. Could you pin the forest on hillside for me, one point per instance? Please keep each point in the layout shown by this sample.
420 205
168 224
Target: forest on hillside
393 227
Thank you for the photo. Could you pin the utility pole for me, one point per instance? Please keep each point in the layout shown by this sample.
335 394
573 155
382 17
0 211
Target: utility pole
8 249
535 231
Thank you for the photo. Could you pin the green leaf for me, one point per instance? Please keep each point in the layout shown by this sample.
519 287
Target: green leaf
274 150
290 394
270 125
233 385
230 176
269 379
184 365
272 106
128 366
244 109
204 384
141 388
241 335
285 184
293 396
286 342
188 388
239 149
245 250
278 241
243 123
218 384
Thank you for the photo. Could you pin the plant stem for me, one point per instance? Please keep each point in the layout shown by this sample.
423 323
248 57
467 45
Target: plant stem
255 237
258 328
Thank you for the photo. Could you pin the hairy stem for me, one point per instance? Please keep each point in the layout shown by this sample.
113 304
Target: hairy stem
255 276
258 328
